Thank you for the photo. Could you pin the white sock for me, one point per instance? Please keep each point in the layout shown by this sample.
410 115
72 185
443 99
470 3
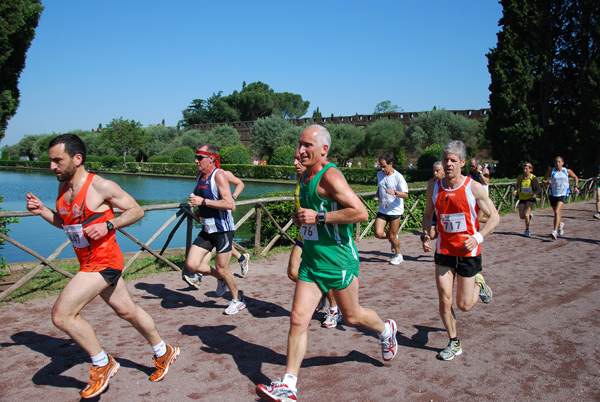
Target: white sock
333 309
100 360
160 349
290 381
387 333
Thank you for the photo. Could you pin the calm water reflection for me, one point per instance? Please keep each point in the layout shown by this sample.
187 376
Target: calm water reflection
37 234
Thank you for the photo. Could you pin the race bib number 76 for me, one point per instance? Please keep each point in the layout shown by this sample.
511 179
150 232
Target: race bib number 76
309 232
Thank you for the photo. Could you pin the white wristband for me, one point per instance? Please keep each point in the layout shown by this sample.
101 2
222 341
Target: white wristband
477 236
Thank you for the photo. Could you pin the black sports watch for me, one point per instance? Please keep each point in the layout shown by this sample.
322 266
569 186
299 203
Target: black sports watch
321 217
110 226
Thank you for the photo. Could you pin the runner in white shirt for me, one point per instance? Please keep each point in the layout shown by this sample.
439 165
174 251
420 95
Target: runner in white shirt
391 193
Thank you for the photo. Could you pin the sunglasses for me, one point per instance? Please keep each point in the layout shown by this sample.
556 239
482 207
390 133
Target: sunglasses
200 157
473 165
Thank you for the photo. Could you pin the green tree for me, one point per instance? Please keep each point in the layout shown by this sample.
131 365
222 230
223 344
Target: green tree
290 106
41 146
545 85
124 136
386 107
238 155
317 114
283 156
159 138
195 113
222 136
429 156
438 127
346 140
18 21
254 101
184 155
271 132
25 147
383 136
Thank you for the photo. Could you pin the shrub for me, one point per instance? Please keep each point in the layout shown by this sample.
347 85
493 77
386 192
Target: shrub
184 155
237 154
109 162
430 155
283 156
160 159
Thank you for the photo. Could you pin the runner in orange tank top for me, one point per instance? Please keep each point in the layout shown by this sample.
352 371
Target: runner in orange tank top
93 255
85 212
456 200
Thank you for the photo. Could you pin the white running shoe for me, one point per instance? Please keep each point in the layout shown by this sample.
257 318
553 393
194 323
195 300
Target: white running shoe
561 229
221 287
277 391
332 319
554 235
244 263
389 346
235 306
397 259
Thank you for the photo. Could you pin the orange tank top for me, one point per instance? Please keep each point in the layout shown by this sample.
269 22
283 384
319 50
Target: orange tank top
456 210
93 255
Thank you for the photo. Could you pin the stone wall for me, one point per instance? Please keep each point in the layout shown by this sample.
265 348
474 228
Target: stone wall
359 120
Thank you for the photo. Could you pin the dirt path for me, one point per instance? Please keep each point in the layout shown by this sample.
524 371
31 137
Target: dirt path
538 340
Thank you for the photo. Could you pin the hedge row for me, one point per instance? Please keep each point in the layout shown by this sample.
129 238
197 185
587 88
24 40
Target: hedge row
265 172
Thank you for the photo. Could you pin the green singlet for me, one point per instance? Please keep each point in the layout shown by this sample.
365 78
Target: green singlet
326 246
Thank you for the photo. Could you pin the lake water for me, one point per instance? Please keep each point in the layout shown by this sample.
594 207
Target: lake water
37 234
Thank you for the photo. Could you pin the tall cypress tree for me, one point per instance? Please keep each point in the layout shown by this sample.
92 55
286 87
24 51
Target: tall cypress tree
545 85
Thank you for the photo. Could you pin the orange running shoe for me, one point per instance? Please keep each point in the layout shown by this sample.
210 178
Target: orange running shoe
99 377
162 363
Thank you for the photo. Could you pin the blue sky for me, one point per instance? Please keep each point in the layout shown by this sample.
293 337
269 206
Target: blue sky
93 61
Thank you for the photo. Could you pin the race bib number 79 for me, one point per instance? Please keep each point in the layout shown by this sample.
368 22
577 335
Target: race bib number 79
454 223
309 232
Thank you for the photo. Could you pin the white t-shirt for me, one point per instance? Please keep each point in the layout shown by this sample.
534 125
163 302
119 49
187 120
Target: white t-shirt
389 204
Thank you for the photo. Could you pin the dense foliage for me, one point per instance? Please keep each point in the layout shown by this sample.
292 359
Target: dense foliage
545 89
254 101
124 136
18 21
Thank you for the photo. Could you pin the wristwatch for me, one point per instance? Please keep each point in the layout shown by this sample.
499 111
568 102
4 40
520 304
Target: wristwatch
321 217
109 226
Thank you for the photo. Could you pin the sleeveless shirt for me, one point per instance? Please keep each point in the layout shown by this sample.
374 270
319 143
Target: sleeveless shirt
526 188
456 210
326 246
559 182
93 255
213 220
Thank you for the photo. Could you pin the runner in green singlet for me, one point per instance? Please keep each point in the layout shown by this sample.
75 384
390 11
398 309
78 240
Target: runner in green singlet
329 207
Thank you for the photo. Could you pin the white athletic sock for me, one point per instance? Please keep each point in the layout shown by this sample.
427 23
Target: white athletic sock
160 349
387 333
100 360
290 381
333 310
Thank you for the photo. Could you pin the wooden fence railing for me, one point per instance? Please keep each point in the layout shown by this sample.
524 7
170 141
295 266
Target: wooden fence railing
500 193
